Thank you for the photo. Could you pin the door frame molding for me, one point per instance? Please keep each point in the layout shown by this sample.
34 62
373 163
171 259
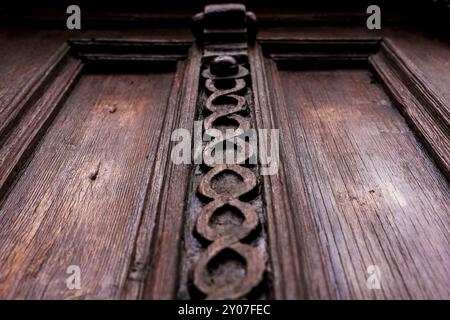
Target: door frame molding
40 100
28 117
424 109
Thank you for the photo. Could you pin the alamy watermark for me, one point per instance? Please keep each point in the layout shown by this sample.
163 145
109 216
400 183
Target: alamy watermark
373 282
73 281
231 146
374 20
73 22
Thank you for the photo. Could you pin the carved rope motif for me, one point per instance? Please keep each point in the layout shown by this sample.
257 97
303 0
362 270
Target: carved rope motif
225 99
227 236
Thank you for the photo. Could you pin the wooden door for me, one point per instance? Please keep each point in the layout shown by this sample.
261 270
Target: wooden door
89 184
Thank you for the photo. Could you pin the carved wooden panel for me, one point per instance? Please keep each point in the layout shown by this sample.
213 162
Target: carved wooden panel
86 175
100 107
350 164
225 240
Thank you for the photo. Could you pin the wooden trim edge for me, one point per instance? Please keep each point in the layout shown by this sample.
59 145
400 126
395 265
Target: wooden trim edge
422 106
284 249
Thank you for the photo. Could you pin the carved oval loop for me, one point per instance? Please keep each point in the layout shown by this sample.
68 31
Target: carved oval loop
239 84
248 178
238 287
227 155
227 101
229 113
244 124
239 106
213 233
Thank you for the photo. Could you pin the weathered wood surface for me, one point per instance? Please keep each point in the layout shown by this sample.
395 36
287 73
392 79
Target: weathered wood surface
362 189
224 252
430 54
356 186
162 281
28 120
425 109
80 199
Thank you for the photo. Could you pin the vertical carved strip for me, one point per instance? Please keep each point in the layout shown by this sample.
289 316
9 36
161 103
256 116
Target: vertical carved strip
225 241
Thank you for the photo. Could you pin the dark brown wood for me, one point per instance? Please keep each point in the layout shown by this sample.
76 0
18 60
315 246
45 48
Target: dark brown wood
49 223
143 14
423 106
129 51
287 275
425 109
33 113
368 171
108 122
86 176
165 254
29 93
331 158
224 253
224 28
319 52
296 179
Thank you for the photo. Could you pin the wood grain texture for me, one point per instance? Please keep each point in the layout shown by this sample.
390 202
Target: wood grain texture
158 52
25 122
285 256
25 74
319 52
162 280
363 190
431 54
425 109
79 200
123 223
27 55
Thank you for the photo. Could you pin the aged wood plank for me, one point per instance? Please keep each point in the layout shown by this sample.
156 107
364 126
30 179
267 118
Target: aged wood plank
21 86
26 55
33 120
430 54
363 190
23 55
157 248
425 109
164 265
287 278
79 200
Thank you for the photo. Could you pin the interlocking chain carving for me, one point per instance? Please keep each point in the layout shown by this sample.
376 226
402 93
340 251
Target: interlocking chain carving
227 236
225 239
